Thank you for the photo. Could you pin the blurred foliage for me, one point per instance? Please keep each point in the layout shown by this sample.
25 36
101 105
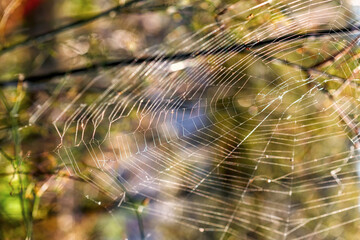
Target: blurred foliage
39 199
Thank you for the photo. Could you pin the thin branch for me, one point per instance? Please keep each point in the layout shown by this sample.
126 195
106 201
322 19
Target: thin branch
338 55
311 71
347 82
335 58
179 56
343 116
50 34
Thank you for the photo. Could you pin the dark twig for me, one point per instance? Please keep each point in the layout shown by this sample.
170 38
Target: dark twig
311 71
50 34
179 56
344 117
338 55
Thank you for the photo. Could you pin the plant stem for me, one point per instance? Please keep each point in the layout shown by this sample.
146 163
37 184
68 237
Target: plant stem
16 161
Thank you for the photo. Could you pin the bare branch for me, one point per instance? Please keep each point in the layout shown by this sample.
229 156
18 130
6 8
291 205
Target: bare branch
338 55
50 34
314 71
180 55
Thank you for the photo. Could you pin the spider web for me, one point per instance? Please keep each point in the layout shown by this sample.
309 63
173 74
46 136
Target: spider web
237 140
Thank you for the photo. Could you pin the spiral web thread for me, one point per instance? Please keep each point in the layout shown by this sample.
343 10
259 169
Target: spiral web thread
253 143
